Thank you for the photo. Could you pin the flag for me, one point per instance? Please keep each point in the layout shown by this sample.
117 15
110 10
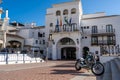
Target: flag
57 25
60 21
70 20
57 22
66 20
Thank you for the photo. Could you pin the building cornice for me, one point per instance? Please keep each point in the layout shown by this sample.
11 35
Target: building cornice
100 17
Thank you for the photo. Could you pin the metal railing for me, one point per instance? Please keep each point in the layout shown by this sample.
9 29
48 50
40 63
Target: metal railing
104 42
110 50
99 31
19 58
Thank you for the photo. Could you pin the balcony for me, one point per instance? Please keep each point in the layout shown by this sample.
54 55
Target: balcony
100 32
103 32
65 28
104 42
64 31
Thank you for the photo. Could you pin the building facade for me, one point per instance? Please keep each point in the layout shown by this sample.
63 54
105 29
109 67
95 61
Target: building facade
34 38
71 34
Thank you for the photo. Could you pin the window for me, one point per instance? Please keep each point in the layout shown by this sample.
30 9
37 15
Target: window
110 39
87 27
51 24
109 28
73 11
84 27
65 12
94 29
39 34
67 41
43 34
36 41
85 37
81 27
94 39
43 41
32 34
58 13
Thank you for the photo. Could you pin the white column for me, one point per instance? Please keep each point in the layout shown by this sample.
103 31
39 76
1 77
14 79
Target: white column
33 51
78 51
54 52
7 14
4 43
59 53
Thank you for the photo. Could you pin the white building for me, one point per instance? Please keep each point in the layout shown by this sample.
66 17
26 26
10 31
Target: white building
71 34
34 38
8 37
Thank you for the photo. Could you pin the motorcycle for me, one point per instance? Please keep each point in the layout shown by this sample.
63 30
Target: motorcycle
91 62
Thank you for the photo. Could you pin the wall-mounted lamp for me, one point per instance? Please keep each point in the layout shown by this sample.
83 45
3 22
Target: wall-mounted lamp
77 41
50 37
53 41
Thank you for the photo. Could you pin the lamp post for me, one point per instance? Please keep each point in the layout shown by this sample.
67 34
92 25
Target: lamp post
46 58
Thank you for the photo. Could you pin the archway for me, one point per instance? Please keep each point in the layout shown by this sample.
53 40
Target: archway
14 44
66 49
85 52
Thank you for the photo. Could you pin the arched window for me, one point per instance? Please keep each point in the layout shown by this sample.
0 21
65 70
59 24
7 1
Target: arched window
58 13
65 12
67 41
51 24
73 11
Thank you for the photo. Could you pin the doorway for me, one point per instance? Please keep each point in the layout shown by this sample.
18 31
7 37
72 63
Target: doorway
68 53
85 52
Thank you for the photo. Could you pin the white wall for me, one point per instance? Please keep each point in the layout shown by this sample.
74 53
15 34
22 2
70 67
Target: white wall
101 23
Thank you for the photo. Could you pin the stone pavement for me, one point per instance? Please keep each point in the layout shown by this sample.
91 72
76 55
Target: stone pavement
51 70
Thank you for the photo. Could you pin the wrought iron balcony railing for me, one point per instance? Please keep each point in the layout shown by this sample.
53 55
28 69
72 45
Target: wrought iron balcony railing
100 32
103 42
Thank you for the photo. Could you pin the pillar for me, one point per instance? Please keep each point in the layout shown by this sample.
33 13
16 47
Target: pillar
54 52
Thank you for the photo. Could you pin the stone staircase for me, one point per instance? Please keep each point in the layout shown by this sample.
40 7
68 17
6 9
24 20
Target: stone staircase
112 70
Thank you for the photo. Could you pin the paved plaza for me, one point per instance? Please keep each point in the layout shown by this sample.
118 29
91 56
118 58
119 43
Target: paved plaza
51 70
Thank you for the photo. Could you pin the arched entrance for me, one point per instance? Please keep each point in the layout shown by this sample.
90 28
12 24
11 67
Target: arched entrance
14 44
66 49
68 53
85 52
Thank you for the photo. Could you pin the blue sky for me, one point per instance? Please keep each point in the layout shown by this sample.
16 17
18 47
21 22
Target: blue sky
27 11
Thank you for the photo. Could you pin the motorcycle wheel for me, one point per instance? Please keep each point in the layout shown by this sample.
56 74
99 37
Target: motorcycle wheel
97 69
77 66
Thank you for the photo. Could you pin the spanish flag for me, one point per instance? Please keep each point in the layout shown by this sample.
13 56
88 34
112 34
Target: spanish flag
60 21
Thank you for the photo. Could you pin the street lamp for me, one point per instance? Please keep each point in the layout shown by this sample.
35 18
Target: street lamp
53 41
47 45
77 41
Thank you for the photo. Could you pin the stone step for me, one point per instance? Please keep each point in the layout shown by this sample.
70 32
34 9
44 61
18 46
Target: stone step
117 61
107 74
115 71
